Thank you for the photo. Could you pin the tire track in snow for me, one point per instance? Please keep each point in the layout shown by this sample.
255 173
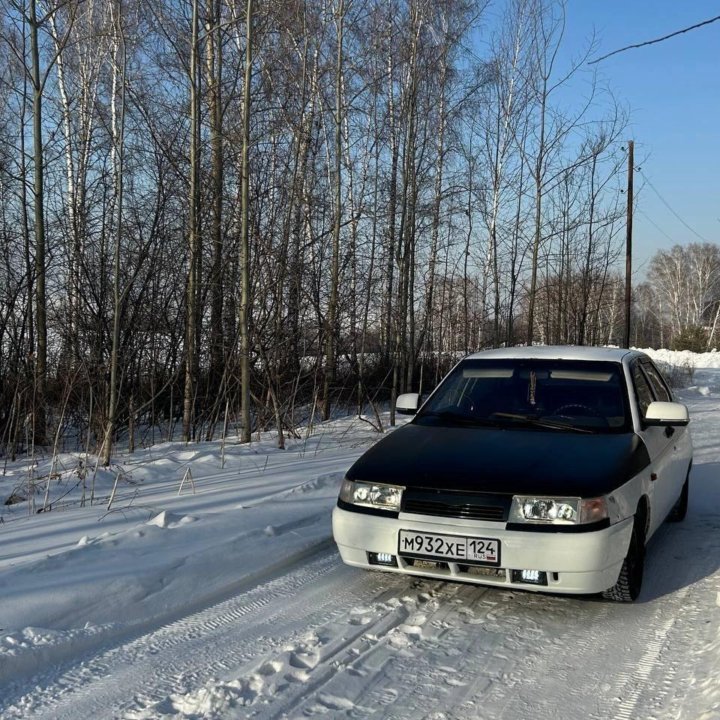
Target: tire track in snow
298 680
327 661
329 640
676 684
93 676
665 675
410 660
637 679
309 657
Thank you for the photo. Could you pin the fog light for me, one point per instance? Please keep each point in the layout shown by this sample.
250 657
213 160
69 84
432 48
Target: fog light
385 559
531 577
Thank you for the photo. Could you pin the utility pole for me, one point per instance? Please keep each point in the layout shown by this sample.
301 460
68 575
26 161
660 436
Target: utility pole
628 241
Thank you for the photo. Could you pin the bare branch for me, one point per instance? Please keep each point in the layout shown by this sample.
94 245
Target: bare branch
657 40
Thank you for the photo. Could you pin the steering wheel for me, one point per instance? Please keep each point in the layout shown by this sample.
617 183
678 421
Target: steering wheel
586 410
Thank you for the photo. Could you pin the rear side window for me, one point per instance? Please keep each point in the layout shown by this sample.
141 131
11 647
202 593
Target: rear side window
657 383
642 389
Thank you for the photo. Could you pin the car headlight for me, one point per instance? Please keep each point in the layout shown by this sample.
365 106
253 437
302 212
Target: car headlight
557 510
374 495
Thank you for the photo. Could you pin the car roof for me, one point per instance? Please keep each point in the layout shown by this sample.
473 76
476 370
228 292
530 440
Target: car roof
558 352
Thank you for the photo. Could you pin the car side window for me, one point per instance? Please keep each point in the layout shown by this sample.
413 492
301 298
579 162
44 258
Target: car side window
643 393
657 383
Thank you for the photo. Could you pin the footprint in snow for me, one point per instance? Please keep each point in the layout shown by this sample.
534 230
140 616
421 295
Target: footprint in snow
333 702
442 624
361 610
476 621
360 620
399 641
270 668
417 619
529 633
414 632
304 660
388 696
454 682
297 675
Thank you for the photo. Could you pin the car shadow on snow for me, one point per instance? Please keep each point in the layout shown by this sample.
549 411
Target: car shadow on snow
684 553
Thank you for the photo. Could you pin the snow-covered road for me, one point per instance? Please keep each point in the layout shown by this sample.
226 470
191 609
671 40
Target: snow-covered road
283 630
324 639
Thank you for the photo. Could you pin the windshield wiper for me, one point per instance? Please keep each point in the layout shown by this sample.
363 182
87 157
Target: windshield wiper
533 421
459 418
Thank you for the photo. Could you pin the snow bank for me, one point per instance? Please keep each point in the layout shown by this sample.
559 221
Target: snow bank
685 358
81 575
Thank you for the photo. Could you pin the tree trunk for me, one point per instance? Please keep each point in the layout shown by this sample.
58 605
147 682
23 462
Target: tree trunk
217 287
194 243
118 156
331 330
40 416
244 319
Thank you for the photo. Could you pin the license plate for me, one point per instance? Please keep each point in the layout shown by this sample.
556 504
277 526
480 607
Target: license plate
449 547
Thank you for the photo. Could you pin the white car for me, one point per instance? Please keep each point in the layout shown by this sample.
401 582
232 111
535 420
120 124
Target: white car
545 468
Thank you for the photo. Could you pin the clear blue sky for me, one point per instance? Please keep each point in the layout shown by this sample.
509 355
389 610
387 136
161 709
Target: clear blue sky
673 92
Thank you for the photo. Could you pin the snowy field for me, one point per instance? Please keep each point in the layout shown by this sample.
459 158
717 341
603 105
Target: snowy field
223 597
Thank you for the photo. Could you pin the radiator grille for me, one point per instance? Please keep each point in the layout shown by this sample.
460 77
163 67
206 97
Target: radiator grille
445 506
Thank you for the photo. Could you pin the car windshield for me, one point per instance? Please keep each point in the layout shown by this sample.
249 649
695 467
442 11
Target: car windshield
553 395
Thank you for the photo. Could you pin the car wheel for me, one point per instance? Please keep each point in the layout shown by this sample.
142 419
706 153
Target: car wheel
629 582
679 511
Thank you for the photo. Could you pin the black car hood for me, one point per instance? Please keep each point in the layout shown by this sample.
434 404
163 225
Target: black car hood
494 460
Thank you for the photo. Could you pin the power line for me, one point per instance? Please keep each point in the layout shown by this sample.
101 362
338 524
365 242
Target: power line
657 227
667 205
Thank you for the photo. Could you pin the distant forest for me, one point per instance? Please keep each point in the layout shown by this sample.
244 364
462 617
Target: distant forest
216 211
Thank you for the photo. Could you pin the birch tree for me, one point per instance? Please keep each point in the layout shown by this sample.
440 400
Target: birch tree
244 320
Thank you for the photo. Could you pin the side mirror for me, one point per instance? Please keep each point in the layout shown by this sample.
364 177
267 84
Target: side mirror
666 413
407 404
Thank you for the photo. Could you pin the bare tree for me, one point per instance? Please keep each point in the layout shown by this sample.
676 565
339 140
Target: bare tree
332 311
686 280
274 211
244 320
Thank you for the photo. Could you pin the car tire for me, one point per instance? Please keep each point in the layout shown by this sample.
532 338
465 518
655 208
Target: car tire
629 582
679 511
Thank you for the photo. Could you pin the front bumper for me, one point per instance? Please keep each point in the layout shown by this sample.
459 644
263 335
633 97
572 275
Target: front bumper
580 562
